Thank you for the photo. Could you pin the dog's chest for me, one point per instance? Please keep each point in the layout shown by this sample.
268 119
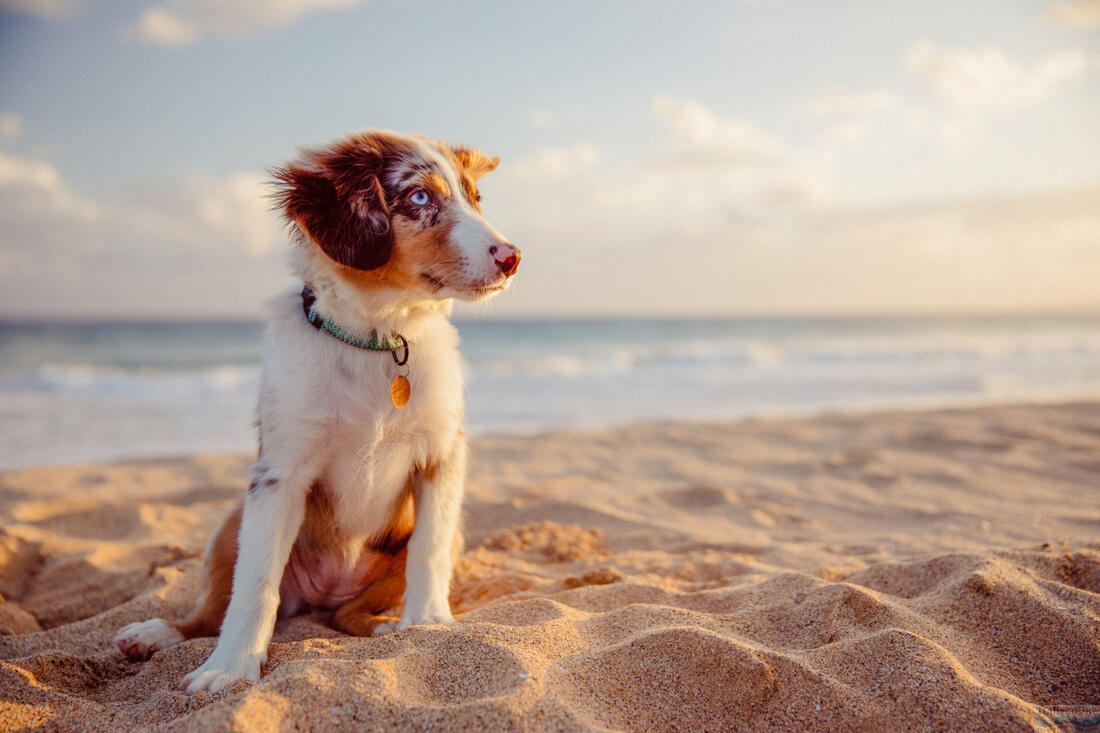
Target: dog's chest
373 447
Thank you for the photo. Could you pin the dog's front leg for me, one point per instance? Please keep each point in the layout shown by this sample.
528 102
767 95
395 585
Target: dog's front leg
438 498
273 513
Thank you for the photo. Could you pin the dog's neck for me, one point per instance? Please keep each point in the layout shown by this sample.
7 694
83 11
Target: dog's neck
359 311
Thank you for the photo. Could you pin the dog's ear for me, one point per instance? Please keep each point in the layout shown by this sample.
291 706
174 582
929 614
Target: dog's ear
474 162
339 203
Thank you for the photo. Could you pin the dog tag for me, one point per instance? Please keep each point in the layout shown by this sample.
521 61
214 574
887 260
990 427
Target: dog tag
400 391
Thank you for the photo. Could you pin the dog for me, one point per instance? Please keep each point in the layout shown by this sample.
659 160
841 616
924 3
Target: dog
354 500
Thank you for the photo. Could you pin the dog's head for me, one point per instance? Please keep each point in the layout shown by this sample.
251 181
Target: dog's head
399 211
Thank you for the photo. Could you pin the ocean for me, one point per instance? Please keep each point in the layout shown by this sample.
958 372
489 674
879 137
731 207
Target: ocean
73 392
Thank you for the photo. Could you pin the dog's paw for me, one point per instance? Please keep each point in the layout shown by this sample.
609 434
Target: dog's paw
214 677
142 639
386 627
425 619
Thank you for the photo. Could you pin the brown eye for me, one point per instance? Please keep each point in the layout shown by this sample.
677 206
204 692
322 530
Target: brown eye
420 197
477 197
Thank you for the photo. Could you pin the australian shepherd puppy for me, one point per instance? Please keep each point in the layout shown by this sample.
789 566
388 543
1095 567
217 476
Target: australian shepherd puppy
353 502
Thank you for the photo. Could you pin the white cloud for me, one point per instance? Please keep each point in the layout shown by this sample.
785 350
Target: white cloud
34 188
859 119
731 162
1079 13
709 170
238 208
1010 252
182 22
858 116
202 214
745 220
161 27
50 9
1007 252
843 102
556 164
42 218
698 136
879 104
986 78
63 251
205 215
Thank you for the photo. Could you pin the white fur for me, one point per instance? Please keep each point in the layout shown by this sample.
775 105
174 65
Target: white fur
149 636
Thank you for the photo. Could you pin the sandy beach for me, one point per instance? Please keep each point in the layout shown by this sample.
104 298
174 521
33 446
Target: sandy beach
890 571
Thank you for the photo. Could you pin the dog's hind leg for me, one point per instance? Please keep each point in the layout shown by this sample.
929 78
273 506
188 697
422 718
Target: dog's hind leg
140 640
359 616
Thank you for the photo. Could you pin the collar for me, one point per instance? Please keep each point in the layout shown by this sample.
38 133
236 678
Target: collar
393 344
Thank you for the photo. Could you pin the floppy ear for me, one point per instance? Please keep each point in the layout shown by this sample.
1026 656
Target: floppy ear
474 162
341 206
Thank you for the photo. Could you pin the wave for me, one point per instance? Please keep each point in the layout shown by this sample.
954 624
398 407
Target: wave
1055 350
92 379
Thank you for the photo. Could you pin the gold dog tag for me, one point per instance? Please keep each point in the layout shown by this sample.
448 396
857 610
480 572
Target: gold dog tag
400 391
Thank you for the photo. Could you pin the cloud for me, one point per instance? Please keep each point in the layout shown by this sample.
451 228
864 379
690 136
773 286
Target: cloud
177 23
237 207
49 9
744 220
199 213
859 119
860 115
63 251
986 78
842 102
1078 13
205 216
41 217
556 164
709 170
161 27
1001 252
998 252
878 104
32 193
730 160
698 136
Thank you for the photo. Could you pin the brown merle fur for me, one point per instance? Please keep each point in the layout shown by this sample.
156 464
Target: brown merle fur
346 204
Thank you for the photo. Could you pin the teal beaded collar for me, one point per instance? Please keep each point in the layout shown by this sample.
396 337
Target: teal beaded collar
374 343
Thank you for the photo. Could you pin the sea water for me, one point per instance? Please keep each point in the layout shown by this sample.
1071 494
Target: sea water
98 391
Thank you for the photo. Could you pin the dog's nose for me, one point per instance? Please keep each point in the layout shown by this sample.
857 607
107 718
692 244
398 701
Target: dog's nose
507 257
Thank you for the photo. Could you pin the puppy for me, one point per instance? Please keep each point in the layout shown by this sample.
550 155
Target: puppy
354 500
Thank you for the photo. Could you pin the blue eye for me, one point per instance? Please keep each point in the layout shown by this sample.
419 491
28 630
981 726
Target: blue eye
420 198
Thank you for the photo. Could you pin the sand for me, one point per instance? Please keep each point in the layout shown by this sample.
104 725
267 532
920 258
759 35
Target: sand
920 571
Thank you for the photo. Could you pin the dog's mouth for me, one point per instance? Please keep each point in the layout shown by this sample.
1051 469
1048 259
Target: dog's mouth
485 290
466 291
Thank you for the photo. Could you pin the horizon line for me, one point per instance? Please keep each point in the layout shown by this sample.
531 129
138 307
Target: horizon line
7 320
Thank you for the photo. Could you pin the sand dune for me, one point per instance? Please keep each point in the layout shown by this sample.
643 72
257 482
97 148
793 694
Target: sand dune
925 571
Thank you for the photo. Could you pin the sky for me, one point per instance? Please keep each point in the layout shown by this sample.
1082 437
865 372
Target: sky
692 158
